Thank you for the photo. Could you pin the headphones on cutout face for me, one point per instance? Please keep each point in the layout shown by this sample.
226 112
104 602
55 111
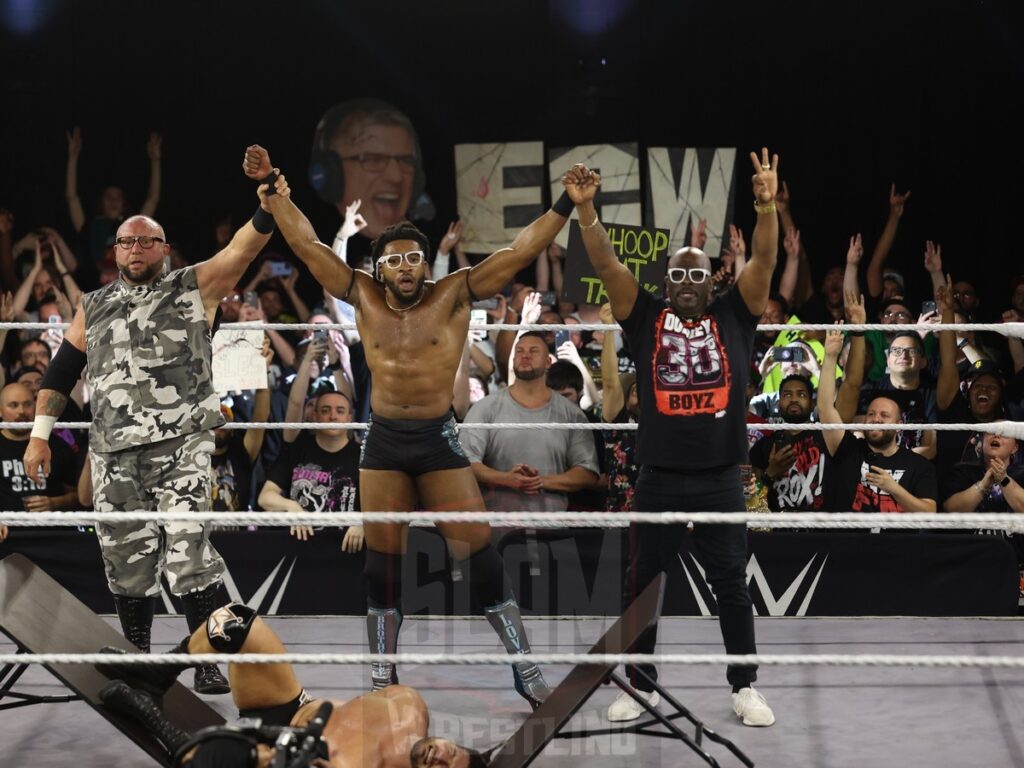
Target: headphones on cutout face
326 171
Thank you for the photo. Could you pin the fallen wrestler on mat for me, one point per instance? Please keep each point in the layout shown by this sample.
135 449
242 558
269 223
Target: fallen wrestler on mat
385 729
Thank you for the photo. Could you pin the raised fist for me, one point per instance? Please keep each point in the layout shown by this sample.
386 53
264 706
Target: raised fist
581 183
256 162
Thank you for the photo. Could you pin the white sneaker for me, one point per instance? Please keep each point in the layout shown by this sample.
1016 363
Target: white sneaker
750 705
627 708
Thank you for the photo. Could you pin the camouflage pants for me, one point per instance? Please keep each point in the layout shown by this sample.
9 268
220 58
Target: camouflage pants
169 476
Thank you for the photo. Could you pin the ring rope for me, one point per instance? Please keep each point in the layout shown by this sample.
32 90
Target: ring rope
1015 329
822 520
1013 429
474 659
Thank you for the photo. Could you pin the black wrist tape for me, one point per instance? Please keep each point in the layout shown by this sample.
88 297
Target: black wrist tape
564 205
65 369
262 221
269 179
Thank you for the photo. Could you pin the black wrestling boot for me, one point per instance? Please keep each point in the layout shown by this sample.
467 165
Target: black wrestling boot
198 607
136 615
508 624
152 678
382 625
120 697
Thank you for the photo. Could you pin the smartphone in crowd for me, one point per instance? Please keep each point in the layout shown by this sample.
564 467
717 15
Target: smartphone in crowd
486 304
252 299
280 269
794 354
561 337
927 306
320 336
478 317
549 298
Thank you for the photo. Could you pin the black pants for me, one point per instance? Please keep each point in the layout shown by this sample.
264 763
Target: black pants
721 549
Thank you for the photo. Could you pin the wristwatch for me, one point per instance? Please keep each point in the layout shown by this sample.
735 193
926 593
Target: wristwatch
1005 481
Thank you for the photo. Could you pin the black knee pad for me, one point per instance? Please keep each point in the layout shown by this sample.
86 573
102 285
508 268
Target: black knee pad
383 574
485 572
228 626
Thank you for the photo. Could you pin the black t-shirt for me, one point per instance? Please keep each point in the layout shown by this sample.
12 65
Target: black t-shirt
14 481
964 475
231 475
854 460
956 447
809 484
692 380
319 480
917 405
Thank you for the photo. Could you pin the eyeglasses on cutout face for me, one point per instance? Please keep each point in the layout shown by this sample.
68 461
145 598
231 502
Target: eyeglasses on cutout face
377 162
696 274
146 241
394 260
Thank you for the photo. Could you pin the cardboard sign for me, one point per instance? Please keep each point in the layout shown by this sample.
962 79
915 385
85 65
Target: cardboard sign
238 362
643 250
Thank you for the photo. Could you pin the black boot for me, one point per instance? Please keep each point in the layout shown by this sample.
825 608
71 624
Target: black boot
198 607
119 697
136 615
152 678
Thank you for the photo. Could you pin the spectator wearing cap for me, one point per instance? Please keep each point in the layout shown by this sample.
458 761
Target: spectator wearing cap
978 399
993 484
893 285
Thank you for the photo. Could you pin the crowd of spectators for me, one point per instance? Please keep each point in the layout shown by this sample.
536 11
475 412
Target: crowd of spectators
893 377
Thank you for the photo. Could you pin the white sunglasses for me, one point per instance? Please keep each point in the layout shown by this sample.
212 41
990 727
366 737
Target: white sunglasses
394 260
696 274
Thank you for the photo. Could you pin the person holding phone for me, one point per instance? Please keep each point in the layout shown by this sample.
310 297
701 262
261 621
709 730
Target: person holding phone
693 359
414 333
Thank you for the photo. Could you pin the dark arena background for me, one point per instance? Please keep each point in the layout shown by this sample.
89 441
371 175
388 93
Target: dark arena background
667 99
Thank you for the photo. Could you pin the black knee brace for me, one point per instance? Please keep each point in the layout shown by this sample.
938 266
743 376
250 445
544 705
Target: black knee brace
228 626
383 574
485 572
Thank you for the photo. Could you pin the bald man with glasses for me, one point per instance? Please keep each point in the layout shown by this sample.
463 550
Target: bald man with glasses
693 363
145 340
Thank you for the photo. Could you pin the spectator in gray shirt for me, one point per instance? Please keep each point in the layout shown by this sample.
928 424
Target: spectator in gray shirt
530 470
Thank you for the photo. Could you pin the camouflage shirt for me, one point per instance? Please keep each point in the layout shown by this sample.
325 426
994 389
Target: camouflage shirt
149 353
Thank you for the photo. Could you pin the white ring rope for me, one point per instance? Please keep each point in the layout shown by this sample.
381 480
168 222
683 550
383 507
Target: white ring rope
1006 329
1013 429
474 659
822 520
